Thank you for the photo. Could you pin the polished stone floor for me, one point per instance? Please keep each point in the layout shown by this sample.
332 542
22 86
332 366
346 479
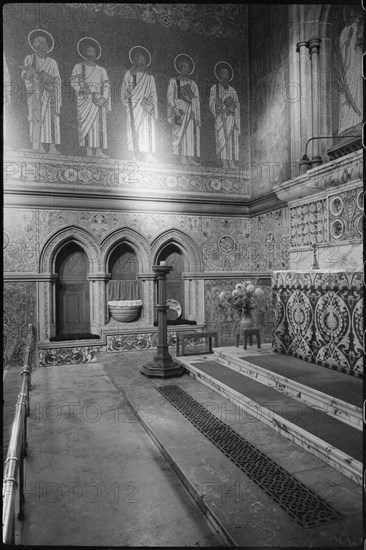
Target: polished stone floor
99 474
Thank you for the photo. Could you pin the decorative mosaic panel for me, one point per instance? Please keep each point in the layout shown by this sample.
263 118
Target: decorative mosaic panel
19 309
68 356
225 319
20 240
136 341
268 248
309 223
346 215
218 20
318 317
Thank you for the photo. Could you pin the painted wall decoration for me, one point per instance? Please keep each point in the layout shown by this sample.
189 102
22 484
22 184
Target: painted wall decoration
21 240
68 356
346 215
165 31
19 309
221 20
318 317
269 105
136 341
269 243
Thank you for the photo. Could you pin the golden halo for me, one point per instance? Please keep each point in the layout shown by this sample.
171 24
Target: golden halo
228 65
130 56
41 30
186 56
88 38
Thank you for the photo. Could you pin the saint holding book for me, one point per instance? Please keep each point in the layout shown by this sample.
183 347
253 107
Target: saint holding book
225 107
184 112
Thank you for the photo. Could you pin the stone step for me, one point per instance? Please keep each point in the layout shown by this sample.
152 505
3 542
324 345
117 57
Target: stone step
331 440
327 403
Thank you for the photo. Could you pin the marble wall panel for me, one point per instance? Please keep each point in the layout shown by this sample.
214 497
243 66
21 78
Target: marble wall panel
19 309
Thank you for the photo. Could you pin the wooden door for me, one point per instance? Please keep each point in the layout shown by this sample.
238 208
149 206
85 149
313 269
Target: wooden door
72 298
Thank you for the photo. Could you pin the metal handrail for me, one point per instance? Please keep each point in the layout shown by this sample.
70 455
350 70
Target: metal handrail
13 476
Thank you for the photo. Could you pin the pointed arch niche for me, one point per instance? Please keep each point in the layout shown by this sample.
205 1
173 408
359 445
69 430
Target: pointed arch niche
126 257
70 263
185 282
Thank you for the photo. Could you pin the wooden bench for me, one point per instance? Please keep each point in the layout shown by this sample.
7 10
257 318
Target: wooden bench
182 336
248 334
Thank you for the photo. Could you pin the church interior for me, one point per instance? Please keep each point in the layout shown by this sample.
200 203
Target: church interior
182 241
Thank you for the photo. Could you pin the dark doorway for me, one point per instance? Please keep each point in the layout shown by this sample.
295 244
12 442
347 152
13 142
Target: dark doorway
72 292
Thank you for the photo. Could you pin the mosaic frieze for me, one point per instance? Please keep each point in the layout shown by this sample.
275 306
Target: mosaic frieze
220 20
117 175
19 309
136 341
68 356
318 279
318 321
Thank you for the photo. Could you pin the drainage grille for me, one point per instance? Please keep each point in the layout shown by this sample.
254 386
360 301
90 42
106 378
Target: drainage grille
300 502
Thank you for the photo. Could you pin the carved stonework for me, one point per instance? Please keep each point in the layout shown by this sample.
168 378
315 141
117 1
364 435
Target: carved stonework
191 253
68 356
346 215
76 234
136 341
134 239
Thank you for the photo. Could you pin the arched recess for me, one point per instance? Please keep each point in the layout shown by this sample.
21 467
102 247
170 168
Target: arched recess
186 280
47 288
119 247
72 292
132 238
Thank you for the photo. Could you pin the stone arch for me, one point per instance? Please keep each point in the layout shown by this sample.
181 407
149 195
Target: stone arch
125 235
61 238
192 255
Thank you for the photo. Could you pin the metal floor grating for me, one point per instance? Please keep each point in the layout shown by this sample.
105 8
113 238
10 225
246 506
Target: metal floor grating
300 502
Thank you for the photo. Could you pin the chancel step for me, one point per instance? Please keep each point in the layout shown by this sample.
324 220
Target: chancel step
283 373
336 443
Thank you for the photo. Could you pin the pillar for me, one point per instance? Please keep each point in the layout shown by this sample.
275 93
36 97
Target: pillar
314 47
162 365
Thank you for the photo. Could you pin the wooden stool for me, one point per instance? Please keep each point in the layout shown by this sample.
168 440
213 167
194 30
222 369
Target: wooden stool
248 333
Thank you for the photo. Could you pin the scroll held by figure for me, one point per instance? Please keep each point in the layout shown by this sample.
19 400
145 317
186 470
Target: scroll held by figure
92 88
43 87
138 95
225 107
184 111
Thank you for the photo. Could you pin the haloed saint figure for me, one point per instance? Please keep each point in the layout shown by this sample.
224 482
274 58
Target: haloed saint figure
92 88
43 86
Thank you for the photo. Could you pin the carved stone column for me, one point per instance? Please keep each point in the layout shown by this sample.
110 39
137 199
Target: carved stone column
98 303
314 47
305 100
162 365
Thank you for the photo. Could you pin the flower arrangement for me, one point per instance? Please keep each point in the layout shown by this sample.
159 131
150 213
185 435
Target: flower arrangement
244 298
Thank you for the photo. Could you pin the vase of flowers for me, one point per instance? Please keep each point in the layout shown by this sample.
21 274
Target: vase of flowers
243 299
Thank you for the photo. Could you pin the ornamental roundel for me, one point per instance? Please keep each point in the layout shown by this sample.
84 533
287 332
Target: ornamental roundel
226 244
336 206
337 229
332 316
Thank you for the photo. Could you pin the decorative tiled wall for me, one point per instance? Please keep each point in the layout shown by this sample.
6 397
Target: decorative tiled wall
68 356
318 317
19 309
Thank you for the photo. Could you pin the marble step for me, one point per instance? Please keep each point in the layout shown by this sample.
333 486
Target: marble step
329 453
329 404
